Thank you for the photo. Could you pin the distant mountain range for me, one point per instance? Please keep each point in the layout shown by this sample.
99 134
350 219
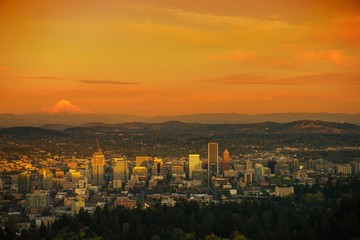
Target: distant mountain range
65 120
297 127
65 114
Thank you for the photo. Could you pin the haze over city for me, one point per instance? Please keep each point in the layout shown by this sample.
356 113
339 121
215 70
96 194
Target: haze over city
180 57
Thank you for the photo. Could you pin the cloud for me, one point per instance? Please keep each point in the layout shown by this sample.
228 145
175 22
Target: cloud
325 79
47 77
85 81
106 82
256 58
205 30
344 30
247 79
170 15
235 56
332 55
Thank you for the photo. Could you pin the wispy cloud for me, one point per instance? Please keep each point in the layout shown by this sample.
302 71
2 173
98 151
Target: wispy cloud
85 81
247 79
344 30
106 82
330 78
200 19
45 77
234 56
332 55
256 58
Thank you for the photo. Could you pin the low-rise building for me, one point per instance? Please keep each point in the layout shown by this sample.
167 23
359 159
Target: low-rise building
283 191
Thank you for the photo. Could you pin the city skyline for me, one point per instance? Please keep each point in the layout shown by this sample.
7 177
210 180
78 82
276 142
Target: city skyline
172 58
157 179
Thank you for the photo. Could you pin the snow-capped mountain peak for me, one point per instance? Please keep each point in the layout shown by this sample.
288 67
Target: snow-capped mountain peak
65 106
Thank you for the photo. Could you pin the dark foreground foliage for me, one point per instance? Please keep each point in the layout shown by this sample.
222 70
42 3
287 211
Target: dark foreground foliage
328 212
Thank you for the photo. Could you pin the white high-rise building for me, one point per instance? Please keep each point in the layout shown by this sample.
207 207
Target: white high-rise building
194 163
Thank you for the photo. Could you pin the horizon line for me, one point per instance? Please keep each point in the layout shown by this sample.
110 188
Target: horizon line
174 115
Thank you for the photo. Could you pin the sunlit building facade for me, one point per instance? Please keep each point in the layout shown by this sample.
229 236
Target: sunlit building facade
120 171
194 163
97 164
76 204
142 161
158 168
46 177
177 169
140 173
248 165
283 191
225 164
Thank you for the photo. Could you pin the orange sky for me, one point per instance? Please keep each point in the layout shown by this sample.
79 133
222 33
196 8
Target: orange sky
180 57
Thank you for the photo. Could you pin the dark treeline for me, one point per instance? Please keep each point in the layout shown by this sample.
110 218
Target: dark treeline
328 212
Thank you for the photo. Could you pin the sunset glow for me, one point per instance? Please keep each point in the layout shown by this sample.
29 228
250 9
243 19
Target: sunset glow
181 57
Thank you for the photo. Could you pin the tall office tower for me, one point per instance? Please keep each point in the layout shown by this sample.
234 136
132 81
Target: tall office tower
271 164
355 168
142 161
97 164
226 161
120 171
24 182
88 169
158 168
194 163
46 177
14 183
294 165
310 164
213 161
248 177
248 165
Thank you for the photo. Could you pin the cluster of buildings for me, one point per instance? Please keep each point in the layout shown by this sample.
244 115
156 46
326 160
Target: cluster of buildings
44 193
22 164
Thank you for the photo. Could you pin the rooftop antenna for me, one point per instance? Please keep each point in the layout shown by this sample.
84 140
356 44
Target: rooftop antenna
97 141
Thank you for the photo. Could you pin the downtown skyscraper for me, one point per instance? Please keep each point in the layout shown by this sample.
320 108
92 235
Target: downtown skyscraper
225 164
120 171
97 164
194 163
213 159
